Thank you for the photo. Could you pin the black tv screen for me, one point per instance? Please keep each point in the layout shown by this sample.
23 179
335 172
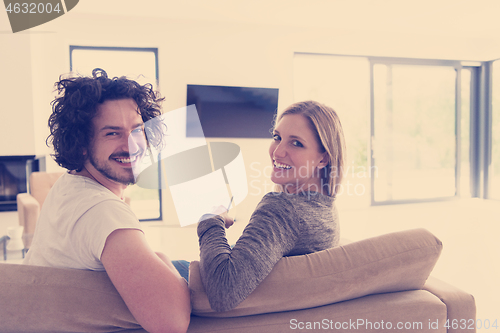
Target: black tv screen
232 112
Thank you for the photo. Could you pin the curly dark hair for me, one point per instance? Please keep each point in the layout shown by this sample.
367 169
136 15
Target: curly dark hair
70 123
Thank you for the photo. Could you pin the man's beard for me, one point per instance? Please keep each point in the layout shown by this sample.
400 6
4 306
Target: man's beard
109 173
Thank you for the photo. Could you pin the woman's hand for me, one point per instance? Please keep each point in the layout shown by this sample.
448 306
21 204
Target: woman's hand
222 212
228 221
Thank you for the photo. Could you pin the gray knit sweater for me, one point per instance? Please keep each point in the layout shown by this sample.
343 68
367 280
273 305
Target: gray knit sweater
282 225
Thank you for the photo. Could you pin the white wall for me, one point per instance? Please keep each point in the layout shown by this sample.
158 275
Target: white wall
16 122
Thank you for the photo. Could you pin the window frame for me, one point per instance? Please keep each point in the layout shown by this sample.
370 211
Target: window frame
157 78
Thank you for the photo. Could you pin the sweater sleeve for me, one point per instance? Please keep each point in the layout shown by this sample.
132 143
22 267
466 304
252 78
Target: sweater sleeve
230 275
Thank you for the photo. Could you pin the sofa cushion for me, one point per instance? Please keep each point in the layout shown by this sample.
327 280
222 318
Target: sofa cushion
393 262
373 313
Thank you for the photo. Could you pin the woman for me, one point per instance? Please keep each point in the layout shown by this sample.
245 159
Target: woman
307 157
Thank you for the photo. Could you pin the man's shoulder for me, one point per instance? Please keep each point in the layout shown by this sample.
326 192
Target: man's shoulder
80 193
82 186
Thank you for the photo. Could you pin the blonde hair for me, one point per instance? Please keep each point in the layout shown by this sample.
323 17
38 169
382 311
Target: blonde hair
326 125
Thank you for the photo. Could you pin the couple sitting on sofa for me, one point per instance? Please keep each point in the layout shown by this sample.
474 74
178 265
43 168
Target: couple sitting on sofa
97 131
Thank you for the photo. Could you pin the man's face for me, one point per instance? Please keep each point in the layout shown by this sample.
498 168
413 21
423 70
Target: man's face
119 142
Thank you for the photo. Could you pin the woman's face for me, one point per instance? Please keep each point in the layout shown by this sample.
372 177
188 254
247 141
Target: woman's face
295 154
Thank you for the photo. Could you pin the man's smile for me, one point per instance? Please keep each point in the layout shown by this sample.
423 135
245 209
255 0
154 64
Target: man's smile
126 160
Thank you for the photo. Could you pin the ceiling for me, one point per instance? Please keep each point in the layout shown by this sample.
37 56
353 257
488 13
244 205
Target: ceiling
469 29
443 17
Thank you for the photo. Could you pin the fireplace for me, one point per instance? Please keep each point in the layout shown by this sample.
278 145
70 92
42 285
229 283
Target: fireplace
14 178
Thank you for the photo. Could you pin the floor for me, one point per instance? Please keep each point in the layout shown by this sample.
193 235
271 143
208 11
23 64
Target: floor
469 230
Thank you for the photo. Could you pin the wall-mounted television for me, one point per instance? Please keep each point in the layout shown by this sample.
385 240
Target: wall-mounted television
232 112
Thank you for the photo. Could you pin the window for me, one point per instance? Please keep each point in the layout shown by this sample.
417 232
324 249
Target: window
406 124
466 109
140 64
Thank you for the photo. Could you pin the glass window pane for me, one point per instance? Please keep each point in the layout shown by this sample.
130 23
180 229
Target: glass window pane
138 65
494 172
414 139
344 84
465 179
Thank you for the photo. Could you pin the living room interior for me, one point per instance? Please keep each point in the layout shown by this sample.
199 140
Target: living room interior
350 55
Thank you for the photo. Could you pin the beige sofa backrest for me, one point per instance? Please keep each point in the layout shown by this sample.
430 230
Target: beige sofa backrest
388 263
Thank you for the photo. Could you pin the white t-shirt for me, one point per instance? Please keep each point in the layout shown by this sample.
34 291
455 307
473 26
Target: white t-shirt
77 217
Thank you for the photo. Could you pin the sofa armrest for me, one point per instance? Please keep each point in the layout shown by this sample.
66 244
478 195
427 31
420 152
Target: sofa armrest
28 210
460 305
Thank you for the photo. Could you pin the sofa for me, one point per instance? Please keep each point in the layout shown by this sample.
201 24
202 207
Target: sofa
377 284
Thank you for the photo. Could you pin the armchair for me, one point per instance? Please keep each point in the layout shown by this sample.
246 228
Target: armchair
29 204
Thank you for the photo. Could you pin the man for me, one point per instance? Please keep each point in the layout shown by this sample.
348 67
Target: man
97 130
